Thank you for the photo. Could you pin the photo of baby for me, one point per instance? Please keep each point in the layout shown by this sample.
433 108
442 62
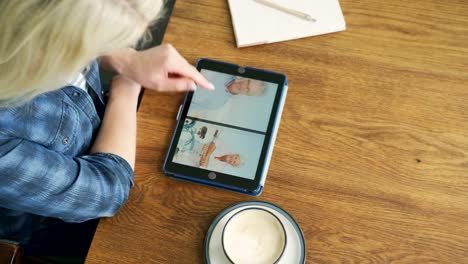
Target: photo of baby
236 101
221 149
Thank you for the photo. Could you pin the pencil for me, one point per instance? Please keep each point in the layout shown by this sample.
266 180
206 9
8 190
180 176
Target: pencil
286 10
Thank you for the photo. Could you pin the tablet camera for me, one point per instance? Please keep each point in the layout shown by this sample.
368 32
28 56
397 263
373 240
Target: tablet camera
241 70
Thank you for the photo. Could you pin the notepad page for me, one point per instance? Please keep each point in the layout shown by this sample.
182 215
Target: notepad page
256 24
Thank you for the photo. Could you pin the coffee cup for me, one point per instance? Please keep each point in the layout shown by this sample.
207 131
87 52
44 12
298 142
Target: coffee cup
255 236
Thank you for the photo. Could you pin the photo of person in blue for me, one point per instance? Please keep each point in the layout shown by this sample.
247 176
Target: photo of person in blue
236 101
234 86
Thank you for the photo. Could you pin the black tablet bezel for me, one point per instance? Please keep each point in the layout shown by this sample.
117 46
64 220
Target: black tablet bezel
221 179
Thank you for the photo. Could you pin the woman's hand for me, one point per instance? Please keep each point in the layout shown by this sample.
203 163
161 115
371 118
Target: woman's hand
161 68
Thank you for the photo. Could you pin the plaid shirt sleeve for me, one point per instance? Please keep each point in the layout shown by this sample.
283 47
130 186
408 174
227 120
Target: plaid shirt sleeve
41 181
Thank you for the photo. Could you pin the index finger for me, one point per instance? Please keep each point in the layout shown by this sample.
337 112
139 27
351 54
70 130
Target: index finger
191 72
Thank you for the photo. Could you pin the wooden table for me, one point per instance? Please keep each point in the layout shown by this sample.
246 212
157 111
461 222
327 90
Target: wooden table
371 157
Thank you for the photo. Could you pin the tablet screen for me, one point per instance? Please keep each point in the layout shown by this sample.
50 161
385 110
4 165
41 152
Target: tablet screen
224 130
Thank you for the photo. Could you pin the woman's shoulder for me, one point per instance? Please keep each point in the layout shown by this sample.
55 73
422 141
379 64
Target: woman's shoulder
35 120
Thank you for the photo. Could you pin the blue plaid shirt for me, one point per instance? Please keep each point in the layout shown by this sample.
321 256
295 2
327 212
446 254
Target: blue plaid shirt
46 171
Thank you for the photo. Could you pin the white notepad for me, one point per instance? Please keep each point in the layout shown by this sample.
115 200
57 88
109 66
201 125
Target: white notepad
256 24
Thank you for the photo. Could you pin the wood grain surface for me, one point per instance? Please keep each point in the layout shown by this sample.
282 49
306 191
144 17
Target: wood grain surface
371 157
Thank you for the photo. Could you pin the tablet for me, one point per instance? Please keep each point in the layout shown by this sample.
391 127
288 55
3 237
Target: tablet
225 138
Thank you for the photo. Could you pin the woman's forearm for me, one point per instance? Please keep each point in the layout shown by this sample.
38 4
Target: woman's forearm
117 134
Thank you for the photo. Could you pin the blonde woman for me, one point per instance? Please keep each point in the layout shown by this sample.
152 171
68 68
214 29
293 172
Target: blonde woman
67 155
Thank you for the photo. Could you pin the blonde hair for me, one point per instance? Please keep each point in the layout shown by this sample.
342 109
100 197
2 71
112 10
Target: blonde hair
43 43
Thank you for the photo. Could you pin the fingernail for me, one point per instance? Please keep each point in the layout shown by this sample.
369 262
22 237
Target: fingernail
192 86
211 86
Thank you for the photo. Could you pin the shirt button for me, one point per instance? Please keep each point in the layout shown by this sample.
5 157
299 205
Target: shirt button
76 94
66 140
